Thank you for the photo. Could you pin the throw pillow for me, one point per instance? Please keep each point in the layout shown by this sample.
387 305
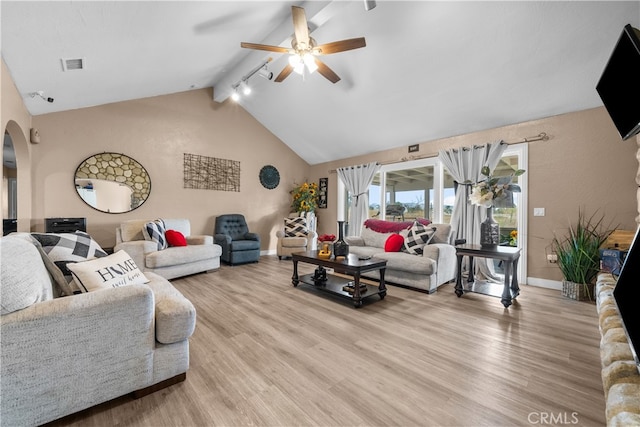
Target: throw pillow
64 249
175 238
394 243
295 227
109 272
417 237
155 232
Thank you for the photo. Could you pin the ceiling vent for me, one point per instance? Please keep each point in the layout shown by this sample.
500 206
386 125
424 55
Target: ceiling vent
69 64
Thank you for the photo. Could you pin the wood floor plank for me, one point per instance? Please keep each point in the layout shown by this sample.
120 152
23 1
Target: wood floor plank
266 353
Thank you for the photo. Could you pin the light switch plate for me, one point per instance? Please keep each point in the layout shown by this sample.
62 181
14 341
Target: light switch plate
538 211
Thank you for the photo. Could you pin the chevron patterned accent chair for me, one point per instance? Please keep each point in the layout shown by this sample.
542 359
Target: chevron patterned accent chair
239 245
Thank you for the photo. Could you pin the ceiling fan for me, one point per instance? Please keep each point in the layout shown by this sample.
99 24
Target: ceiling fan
304 50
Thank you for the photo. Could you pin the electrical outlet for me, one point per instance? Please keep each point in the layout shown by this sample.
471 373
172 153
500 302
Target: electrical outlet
552 258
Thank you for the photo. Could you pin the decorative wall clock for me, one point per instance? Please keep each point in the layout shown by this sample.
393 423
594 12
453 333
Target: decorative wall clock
269 177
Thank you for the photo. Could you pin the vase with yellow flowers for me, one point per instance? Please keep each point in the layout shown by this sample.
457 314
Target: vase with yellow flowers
305 197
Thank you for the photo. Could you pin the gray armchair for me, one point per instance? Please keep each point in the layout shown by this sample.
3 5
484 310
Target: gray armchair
239 245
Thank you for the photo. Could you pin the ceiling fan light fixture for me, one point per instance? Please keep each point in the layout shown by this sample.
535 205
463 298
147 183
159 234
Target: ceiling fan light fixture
310 62
297 63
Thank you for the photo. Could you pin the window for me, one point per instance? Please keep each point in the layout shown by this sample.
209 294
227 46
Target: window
424 189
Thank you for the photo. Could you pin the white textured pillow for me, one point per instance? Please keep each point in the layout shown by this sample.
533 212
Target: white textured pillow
24 280
109 272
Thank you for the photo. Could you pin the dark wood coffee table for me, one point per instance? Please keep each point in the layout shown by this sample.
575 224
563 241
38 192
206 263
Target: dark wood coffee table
351 265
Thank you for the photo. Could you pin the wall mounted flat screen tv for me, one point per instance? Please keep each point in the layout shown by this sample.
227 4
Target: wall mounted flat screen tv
619 85
627 297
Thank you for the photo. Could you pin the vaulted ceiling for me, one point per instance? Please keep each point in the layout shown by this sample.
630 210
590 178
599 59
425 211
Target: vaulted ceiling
429 70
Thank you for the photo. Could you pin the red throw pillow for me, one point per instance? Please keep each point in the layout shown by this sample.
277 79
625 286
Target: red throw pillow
175 238
394 243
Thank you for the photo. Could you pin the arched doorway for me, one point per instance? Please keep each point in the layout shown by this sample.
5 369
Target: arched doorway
21 208
9 187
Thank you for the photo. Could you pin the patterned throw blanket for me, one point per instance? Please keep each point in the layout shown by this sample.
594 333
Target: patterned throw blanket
382 226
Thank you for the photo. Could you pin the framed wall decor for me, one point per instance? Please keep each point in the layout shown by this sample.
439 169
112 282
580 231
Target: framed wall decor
323 188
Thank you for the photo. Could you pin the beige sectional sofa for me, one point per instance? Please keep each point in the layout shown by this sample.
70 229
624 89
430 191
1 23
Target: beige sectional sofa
60 355
200 254
620 377
435 267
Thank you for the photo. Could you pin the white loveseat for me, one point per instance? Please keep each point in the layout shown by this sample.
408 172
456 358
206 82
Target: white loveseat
200 254
435 267
60 355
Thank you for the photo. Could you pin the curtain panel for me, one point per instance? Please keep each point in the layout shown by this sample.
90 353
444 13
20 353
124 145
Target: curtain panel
357 180
465 165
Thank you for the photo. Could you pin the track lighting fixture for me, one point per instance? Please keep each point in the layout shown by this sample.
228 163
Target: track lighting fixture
246 89
40 93
265 73
242 86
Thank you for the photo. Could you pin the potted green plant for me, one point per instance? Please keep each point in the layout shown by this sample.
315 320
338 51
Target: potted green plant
578 255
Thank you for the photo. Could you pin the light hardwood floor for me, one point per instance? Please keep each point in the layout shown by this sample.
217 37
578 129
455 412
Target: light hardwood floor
267 354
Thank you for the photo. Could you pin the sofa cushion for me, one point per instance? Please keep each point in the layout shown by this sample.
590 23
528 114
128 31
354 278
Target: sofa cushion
175 238
417 237
24 280
175 315
293 242
155 232
394 243
401 261
182 255
132 230
373 238
109 272
443 233
295 227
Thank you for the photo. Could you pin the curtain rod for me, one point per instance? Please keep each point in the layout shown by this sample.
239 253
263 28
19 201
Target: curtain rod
542 136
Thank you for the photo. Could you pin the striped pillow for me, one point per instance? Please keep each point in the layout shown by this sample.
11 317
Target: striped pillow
295 227
154 231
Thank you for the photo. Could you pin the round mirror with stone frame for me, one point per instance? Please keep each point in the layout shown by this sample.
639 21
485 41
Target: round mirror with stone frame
112 182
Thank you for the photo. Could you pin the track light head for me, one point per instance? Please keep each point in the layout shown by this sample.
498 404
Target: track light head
246 89
369 4
40 93
263 72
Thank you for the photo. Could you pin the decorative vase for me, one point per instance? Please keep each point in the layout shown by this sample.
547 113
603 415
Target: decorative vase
489 231
340 247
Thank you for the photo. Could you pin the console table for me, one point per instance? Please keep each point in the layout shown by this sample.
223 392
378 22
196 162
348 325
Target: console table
508 254
351 265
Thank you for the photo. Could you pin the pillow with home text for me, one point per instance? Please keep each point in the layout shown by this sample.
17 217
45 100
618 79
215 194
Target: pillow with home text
112 271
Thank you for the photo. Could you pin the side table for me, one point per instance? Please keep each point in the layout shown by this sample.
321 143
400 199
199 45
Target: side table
508 254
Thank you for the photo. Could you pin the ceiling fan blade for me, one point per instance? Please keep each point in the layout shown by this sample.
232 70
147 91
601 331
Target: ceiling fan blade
340 46
284 73
300 27
264 47
327 72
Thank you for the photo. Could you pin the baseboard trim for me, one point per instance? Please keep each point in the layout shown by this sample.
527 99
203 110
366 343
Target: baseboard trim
159 386
544 283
